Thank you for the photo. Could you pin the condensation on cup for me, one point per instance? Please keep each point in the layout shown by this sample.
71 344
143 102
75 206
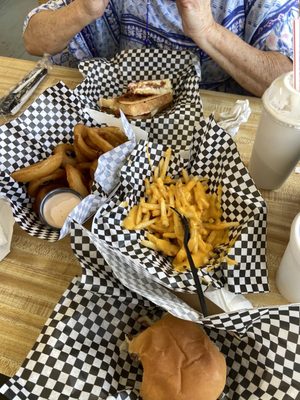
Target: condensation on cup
276 149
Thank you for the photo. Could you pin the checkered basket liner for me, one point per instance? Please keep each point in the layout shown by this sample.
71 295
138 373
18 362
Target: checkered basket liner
214 156
173 127
79 355
31 137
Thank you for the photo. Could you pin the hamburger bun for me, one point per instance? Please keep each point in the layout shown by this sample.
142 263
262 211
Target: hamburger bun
180 362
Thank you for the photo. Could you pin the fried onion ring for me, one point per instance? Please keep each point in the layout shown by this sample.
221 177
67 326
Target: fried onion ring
84 165
91 144
34 185
99 141
39 169
94 166
80 133
45 190
76 180
68 151
114 135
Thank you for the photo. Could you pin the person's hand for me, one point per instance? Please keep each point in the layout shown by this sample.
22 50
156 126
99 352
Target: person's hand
197 18
92 9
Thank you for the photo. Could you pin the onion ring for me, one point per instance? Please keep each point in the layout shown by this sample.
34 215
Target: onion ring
86 173
80 132
84 165
75 180
35 185
68 151
114 135
39 169
93 167
99 141
91 144
45 190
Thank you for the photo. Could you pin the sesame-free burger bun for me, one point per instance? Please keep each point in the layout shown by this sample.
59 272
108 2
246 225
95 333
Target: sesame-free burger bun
180 362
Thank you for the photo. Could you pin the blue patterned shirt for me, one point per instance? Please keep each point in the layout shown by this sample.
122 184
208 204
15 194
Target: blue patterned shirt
264 24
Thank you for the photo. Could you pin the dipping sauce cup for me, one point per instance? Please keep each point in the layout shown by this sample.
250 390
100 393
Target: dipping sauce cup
57 205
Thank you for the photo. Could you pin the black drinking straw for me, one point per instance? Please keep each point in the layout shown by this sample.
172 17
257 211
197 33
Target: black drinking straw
194 270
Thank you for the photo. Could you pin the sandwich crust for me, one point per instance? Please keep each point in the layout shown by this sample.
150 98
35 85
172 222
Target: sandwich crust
142 99
180 362
160 86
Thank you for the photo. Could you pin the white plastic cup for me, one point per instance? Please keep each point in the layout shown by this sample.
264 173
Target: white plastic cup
288 273
276 149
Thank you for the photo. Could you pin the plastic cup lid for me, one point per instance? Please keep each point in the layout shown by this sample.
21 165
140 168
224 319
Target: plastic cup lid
283 101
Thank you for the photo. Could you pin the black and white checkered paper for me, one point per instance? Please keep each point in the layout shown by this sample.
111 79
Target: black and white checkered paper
214 156
173 127
32 136
79 353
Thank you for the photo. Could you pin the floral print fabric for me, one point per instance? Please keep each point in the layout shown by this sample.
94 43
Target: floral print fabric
265 24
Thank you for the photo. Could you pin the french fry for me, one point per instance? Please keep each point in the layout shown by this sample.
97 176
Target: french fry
185 175
163 245
156 213
130 221
162 188
189 196
156 173
149 244
150 206
139 213
221 225
145 224
166 163
146 216
180 256
178 229
169 235
163 213
147 187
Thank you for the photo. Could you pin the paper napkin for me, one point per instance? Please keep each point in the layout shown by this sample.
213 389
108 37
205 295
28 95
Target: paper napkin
6 228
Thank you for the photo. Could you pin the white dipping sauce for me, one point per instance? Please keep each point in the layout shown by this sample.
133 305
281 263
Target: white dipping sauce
58 206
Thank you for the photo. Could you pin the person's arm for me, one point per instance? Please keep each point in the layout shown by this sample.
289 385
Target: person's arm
50 31
253 69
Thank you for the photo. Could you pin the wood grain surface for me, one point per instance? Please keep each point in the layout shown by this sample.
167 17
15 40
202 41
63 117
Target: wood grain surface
36 273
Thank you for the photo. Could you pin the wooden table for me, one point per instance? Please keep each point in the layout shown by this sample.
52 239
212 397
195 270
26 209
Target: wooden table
36 273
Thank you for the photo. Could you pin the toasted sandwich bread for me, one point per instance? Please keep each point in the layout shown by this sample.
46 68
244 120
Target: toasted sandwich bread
134 105
142 99
161 86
